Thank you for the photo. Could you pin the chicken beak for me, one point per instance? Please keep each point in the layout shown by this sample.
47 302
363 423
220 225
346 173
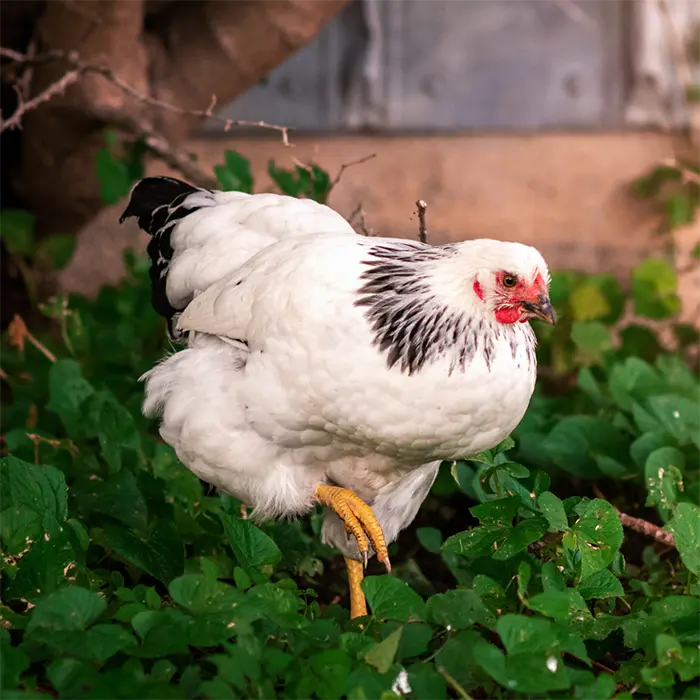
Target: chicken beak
542 309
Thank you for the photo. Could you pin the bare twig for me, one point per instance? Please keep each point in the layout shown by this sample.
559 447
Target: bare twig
360 213
82 67
345 166
643 527
422 230
15 119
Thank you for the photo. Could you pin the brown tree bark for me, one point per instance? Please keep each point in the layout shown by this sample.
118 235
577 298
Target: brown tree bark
178 52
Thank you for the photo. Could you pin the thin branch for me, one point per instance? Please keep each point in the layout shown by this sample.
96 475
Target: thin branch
360 213
15 119
174 157
643 527
350 164
82 67
422 230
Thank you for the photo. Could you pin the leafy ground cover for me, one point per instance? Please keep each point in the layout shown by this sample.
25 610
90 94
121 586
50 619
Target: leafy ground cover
124 576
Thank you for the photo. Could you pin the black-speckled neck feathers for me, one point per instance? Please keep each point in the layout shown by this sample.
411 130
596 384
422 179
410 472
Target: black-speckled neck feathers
414 323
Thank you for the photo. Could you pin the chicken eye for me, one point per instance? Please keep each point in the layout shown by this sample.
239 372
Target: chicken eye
509 281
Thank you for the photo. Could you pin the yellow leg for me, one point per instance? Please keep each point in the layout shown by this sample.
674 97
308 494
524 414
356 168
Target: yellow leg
358 605
358 518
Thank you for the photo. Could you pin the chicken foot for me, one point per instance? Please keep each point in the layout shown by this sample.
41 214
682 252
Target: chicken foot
361 522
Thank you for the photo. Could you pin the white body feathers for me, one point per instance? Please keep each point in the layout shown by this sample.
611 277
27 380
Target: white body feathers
290 379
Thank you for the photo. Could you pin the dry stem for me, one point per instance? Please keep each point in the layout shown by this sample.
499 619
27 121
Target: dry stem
422 230
644 527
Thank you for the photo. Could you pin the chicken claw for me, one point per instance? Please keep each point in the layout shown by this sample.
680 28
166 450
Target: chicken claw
359 520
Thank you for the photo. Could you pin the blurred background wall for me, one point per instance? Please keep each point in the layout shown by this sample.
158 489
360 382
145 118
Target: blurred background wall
516 119
512 119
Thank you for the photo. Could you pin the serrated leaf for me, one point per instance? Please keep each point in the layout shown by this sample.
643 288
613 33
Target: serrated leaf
502 510
68 609
160 553
118 496
478 542
599 536
521 536
601 584
663 477
392 599
250 544
457 609
36 488
685 527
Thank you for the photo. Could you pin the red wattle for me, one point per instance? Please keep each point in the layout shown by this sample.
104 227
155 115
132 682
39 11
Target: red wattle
508 314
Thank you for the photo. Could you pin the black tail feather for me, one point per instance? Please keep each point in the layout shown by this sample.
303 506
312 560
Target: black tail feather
155 202
149 195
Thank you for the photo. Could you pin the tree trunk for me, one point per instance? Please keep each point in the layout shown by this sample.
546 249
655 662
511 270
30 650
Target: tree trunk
179 52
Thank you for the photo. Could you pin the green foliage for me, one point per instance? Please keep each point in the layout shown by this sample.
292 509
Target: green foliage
124 576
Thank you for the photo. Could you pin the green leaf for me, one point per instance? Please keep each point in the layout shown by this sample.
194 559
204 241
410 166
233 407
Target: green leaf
118 496
235 174
162 632
598 535
457 609
575 441
680 209
57 250
39 489
160 553
430 538
330 669
426 683
43 569
68 391
381 656
601 584
588 302
478 542
654 287
116 429
392 599
68 609
553 510
114 176
17 230
521 536
685 527
592 338
502 510
200 594
249 543
561 605
663 476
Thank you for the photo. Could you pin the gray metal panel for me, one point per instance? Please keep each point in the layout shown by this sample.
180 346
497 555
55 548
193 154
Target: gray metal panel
434 65
305 91
513 64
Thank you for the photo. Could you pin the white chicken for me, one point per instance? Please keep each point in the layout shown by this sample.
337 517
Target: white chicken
324 366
